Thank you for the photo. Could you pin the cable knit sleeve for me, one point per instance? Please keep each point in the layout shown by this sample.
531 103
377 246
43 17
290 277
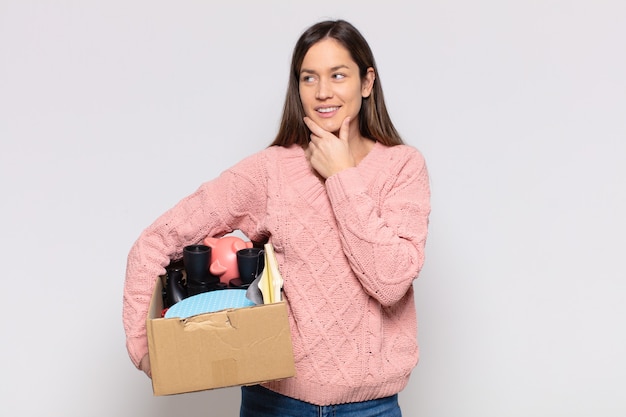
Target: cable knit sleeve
384 226
236 200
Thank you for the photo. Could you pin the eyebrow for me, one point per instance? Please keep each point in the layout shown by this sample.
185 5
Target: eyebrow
335 68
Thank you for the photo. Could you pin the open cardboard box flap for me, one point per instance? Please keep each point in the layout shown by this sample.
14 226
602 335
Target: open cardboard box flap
231 347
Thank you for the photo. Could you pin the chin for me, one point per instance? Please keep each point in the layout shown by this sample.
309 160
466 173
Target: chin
329 126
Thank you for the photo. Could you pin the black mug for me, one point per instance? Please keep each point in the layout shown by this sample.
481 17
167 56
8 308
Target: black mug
197 259
250 262
175 289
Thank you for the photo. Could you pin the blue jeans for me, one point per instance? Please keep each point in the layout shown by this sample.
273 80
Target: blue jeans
257 401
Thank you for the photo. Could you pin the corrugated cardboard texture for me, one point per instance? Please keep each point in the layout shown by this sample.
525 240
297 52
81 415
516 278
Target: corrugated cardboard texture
227 348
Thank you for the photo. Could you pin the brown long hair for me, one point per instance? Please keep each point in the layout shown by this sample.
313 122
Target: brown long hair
374 120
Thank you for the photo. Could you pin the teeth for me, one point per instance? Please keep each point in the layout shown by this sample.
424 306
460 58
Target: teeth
327 109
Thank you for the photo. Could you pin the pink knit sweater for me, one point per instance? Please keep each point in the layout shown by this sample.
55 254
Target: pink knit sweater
348 248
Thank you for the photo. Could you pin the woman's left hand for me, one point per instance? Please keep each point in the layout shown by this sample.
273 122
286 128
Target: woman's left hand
327 153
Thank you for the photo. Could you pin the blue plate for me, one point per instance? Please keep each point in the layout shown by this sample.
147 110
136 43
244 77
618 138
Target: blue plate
208 302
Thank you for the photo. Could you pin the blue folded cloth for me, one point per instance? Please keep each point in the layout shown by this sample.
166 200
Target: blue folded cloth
208 302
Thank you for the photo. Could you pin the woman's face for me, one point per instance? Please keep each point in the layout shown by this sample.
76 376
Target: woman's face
331 88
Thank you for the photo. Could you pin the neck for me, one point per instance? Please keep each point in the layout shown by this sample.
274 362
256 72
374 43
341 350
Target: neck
359 145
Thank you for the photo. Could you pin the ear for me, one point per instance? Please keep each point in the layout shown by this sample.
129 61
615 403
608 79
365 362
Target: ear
210 241
238 245
368 82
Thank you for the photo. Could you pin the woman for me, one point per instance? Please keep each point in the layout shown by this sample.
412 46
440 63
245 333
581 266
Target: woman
345 204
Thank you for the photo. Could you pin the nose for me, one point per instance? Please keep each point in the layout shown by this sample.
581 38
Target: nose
324 89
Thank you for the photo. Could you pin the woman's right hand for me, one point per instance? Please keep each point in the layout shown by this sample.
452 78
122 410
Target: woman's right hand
144 365
328 153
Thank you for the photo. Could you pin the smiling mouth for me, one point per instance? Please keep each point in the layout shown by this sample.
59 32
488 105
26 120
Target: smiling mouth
327 109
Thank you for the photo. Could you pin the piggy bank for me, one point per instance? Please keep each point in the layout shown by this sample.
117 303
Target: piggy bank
224 256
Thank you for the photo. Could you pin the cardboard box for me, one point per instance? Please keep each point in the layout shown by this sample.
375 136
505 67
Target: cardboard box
231 347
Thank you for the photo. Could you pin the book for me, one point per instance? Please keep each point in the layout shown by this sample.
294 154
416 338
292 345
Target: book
274 277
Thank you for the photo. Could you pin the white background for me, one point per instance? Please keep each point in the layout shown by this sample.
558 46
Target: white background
111 111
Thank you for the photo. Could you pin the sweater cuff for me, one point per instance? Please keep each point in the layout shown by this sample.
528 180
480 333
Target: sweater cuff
137 348
343 184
